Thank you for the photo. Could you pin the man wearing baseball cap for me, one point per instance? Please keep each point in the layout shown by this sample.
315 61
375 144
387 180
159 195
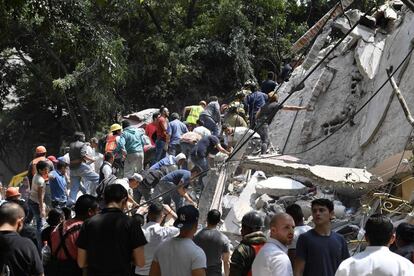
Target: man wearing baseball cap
180 255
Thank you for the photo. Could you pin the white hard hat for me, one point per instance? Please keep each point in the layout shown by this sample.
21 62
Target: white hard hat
136 176
180 156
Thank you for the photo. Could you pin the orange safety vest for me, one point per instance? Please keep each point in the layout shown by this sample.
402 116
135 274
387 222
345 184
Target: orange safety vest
256 248
110 143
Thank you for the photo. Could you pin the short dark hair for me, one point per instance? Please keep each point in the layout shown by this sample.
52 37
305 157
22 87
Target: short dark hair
79 135
213 99
295 211
54 217
125 124
10 212
195 169
405 232
200 123
270 75
60 165
84 204
155 210
213 217
225 126
323 202
108 156
378 230
175 116
139 218
162 109
115 193
41 165
155 115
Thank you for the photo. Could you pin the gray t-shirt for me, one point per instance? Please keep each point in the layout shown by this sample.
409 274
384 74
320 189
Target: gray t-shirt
77 150
214 244
179 257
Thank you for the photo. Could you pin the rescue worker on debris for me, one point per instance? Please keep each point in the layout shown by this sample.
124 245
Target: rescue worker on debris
112 140
40 155
253 240
194 112
236 114
265 115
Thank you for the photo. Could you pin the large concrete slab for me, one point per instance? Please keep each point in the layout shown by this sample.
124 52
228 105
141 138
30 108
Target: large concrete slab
347 181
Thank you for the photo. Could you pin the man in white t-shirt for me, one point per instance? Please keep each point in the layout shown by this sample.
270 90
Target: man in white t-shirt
37 194
377 259
155 234
295 211
272 259
180 256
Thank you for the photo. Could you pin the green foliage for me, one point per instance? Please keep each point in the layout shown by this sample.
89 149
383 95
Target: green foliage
82 63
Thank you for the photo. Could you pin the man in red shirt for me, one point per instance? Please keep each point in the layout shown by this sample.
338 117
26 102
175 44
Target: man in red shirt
151 129
163 138
66 253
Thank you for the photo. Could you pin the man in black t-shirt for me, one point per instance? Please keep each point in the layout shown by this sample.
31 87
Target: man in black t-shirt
22 258
265 116
209 144
111 241
269 85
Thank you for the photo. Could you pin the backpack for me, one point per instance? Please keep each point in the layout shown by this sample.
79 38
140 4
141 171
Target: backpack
69 266
256 248
151 178
103 184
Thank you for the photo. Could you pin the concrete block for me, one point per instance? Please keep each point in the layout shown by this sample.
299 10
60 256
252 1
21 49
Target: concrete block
280 186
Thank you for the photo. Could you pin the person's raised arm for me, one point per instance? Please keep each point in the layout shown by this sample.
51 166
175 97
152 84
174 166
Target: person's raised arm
294 108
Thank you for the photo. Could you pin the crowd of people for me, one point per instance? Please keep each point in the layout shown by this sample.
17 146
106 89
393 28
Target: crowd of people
105 206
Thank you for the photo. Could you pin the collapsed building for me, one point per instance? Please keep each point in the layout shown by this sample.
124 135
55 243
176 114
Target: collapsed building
354 143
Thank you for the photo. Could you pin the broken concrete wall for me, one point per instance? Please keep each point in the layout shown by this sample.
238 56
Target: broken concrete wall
380 129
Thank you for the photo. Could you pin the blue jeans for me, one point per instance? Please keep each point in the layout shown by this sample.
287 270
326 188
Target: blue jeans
159 150
210 124
164 186
34 208
186 148
202 163
87 175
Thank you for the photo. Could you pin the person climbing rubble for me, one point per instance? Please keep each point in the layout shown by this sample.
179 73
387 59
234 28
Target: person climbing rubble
265 115
236 114
211 116
193 112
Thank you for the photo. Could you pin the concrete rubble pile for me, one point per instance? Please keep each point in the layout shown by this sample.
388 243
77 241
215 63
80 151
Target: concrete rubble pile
373 139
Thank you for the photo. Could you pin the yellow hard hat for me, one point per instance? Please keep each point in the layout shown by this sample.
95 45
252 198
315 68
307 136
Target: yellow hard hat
115 127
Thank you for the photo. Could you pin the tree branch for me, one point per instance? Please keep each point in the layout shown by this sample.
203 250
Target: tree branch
153 17
190 14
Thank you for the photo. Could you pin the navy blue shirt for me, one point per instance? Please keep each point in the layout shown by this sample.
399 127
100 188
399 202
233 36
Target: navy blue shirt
207 145
254 102
322 254
178 175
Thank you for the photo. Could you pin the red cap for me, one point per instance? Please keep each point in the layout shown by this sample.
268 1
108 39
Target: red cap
52 158
12 192
40 149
